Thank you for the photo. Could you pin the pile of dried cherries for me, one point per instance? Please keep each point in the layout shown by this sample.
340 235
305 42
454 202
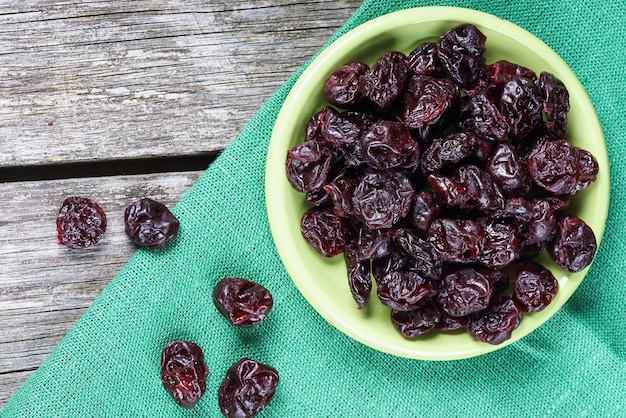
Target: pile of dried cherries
442 178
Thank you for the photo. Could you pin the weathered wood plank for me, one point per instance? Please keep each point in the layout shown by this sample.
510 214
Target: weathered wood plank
44 286
104 80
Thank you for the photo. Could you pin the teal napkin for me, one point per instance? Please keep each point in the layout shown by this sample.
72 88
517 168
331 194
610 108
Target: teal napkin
573 365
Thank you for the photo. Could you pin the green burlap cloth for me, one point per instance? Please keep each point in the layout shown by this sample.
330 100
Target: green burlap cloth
574 365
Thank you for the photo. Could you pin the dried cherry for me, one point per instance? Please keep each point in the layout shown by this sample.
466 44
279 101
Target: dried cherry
247 388
573 246
81 222
324 231
382 198
465 291
417 321
535 286
460 52
384 81
242 302
342 87
495 324
183 372
441 174
150 223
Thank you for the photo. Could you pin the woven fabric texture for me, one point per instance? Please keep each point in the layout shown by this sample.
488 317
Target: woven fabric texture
573 365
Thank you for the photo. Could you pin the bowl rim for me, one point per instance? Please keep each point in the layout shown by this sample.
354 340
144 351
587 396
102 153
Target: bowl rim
276 159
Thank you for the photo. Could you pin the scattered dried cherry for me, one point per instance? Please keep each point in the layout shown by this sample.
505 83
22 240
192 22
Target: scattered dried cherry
426 104
405 290
81 222
150 223
555 103
247 388
183 372
308 165
561 168
423 60
521 105
387 144
359 279
242 302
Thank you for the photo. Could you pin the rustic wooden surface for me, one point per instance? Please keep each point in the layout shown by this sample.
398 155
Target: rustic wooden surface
118 100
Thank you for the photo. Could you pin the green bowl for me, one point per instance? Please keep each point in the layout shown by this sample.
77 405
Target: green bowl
323 281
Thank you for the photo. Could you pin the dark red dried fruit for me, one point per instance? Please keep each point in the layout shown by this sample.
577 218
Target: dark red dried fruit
324 231
495 324
308 164
480 115
469 187
425 259
423 60
555 103
535 286
464 291
340 192
183 372
418 321
521 105
381 199
150 223
426 103
405 290
372 244
457 240
561 168
81 222
359 279
342 87
460 51
247 389
501 72
425 209
501 245
509 171
384 81
574 244
448 151
242 302
387 144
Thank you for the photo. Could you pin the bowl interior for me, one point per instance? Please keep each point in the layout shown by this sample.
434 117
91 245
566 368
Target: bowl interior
323 281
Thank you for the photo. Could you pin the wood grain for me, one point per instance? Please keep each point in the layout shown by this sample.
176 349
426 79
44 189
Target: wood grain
129 79
101 82
44 286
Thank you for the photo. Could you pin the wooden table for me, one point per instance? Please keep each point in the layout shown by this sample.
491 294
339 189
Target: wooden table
117 100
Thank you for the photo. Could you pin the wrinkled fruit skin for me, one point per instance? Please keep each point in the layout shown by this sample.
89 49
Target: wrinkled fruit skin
150 223
247 388
324 231
574 244
81 222
535 287
242 302
183 372
495 324
442 179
